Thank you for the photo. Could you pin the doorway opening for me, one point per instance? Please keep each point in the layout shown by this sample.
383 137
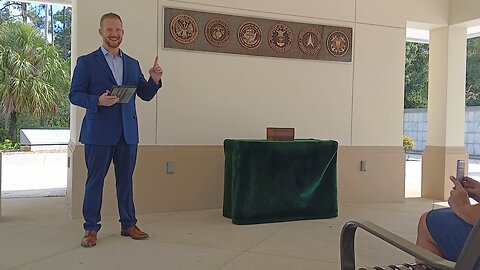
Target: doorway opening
415 108
39 102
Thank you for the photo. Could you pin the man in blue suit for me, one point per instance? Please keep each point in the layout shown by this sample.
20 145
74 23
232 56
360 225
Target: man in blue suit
110 129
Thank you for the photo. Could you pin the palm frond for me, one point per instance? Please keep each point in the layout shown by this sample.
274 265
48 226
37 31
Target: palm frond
32 74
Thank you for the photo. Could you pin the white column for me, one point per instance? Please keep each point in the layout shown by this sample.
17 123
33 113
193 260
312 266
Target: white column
446 110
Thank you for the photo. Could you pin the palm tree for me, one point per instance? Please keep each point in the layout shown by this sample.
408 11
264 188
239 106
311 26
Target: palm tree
32 74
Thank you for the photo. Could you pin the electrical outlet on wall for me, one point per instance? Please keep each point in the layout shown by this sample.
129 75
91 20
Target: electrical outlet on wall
363 165
170 167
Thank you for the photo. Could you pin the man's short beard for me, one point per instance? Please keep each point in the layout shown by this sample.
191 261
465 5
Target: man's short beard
114 44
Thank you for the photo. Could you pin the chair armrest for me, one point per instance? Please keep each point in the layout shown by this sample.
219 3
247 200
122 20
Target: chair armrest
347 247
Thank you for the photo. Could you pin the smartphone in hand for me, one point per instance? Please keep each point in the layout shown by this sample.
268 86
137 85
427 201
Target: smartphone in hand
460 170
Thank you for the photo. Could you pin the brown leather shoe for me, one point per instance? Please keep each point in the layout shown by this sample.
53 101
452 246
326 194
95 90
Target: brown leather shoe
89 239
134 232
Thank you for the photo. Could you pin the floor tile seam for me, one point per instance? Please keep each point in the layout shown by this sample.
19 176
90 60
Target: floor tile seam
270 235
195 226
311 228
43 258
101 235
43 226
231 260
390 210
153 220
335 224
185 244
392 215
295 257
253 246
389 205
27 230
401 234
171 214
216 247
408 202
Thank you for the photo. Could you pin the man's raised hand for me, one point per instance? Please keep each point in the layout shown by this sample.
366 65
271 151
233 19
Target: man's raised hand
156 71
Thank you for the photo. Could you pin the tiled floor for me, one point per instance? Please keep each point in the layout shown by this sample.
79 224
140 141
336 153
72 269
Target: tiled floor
36 233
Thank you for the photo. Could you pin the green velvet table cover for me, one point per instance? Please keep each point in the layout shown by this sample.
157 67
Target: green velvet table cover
274 181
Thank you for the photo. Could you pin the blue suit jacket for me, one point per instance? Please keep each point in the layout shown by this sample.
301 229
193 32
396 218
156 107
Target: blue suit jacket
104 125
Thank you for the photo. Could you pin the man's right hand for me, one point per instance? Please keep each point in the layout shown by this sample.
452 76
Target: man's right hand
472 187
106 100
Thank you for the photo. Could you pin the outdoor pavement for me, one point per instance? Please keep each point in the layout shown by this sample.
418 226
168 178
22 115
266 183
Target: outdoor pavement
413 174
34 174
43 173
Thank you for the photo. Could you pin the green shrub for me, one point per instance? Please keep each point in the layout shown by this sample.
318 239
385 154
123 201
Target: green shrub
9 145
408 143
3 134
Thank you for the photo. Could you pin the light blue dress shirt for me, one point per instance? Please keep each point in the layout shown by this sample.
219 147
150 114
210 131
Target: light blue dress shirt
115 64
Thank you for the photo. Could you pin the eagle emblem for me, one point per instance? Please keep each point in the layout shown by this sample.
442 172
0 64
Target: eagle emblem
184 29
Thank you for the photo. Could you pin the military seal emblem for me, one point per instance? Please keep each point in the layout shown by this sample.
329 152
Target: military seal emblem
280 38
310 41
250 35
184 29
338 43
217 32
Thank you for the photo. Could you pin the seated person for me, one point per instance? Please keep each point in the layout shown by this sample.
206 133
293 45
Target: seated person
444 231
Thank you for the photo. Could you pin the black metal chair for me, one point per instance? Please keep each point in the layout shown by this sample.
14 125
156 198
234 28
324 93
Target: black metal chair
469 258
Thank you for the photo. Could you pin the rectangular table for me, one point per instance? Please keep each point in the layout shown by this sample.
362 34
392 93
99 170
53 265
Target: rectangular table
273 181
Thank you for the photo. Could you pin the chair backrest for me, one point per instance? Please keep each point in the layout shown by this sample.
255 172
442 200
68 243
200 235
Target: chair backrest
469 258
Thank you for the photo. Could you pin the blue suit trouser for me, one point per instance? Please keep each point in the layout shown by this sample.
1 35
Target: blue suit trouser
98 159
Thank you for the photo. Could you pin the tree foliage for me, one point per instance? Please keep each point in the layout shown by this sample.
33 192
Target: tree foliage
472 94
32 75
57 34
56 26
63 31
416 75
12 11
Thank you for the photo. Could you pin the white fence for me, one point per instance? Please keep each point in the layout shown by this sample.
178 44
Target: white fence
415 126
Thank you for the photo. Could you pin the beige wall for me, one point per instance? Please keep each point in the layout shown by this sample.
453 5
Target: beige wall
378 86
464 12
447 67
196 184
396 13
383 181
438 164
208 97
218 96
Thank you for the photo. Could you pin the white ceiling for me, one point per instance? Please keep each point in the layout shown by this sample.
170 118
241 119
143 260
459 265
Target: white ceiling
423 36
473 31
